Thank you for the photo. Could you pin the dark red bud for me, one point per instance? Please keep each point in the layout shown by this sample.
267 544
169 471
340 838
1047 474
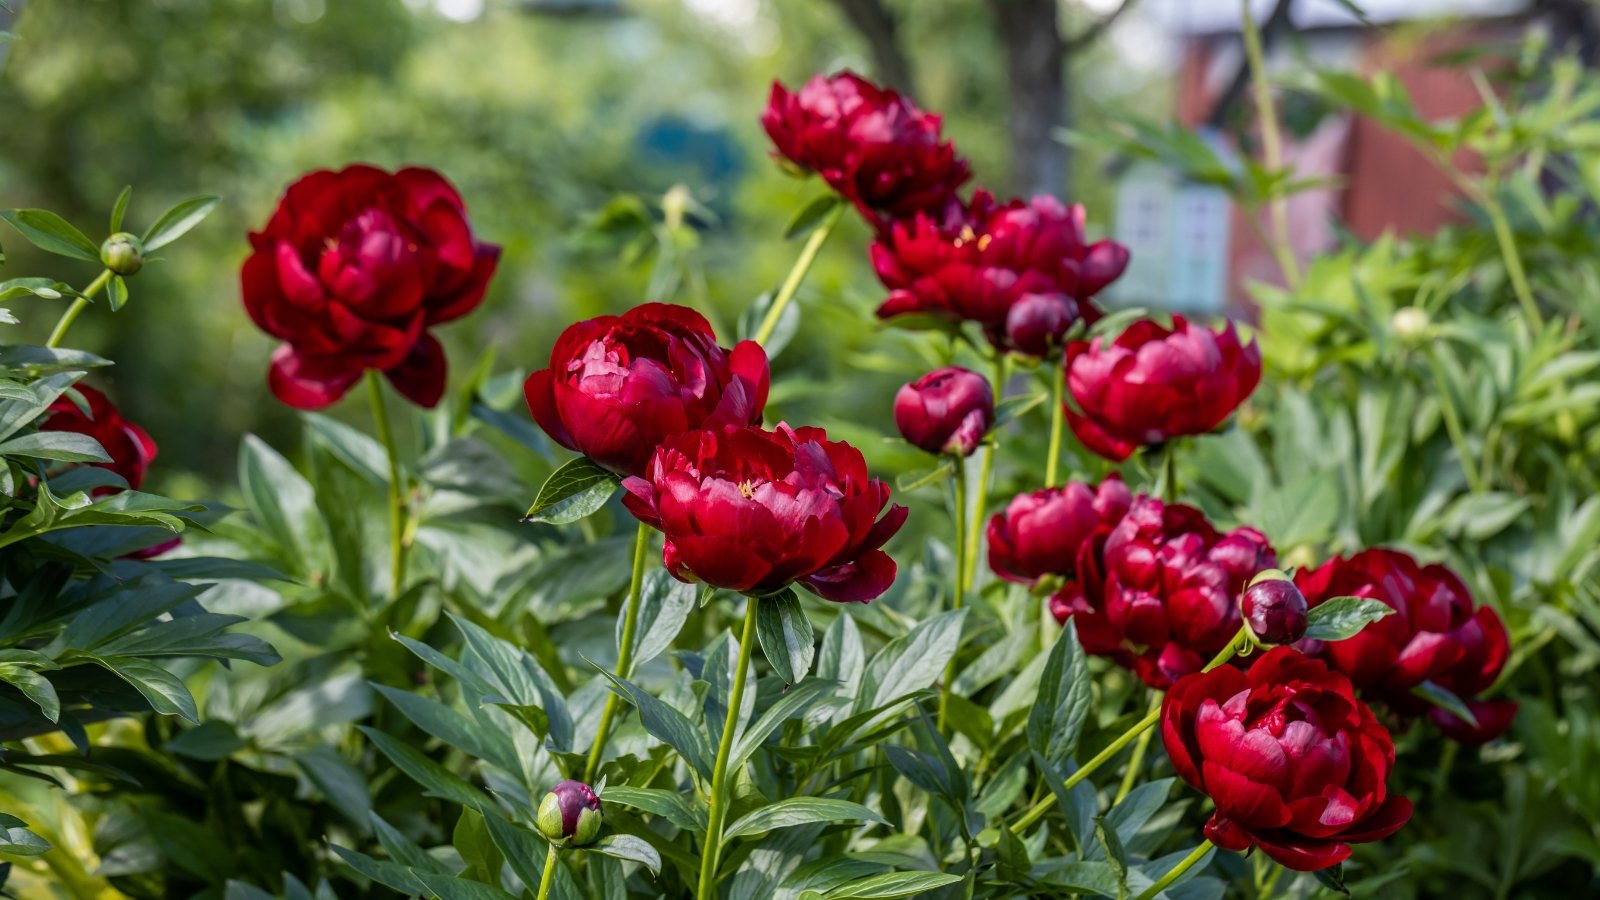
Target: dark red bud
1275 610
948 410
1037 323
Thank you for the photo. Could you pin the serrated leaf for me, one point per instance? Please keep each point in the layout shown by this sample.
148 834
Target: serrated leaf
785 635
53 234
176 222
1339 618
800 811
576 490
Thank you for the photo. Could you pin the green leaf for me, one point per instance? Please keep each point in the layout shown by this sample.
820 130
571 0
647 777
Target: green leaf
572 492
1338 618
176 222
800 811
65 446
674 806
211 740
120 209
1065 699
910 481
785 634
666 724
439 781
35 687
116 292
1332 878
449 887
53 234
795 701
810 216
165 691
1446 700
15 838
454 728
630 848
664 605
44 288
282 502
1013 408
912 661
892 884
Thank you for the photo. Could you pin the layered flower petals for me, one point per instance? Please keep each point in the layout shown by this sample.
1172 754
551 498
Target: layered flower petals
1153 384
1056 531
617 386
1437 634
948 410
751 510
1294 763
870 144
352 269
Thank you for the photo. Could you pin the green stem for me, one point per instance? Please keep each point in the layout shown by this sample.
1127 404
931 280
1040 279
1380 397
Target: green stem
1267 115
549 876
1235 644
630 624
797 274
1452 423
397 501
1057 421
963 562
718 813
1183 866
1513 260
1137 762
78 306
975 532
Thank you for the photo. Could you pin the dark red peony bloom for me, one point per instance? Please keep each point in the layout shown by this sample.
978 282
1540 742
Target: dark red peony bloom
1056 531
1294 762
1437 634
130 447
871 145
948 410
1152 384
1169 598
752 510
352 270
978 261
619 385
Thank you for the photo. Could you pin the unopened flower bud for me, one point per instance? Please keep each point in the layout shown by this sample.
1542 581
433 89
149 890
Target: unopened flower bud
1410 324
1038 323
1274 608
948 410
123 253
569 816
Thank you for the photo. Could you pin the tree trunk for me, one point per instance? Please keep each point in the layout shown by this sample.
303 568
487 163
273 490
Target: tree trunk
877 25
1036 56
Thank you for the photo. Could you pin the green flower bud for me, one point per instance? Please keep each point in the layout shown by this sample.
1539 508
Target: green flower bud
570 816
1410 324
123 253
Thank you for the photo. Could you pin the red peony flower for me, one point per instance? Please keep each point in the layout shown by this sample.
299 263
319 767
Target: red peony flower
352 270
1151 384
871 145
130 447
619 385
1056 531
1437 634
752 510
976 262
1170 590
948 410
1295 764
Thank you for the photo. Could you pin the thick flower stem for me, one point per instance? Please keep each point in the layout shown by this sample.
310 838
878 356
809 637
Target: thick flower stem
1136 763
1058 411
1187 863
1267 115
963 562
630 625
975 530
1239 642
718 813
802 265
549 876
397 500
59 333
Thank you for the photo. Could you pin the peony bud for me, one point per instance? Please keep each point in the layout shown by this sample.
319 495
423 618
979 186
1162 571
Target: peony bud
569 816
1410 324
1274 608
1037 323
123 253
948 410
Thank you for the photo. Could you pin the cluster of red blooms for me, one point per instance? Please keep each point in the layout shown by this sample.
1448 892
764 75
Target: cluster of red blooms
356 266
